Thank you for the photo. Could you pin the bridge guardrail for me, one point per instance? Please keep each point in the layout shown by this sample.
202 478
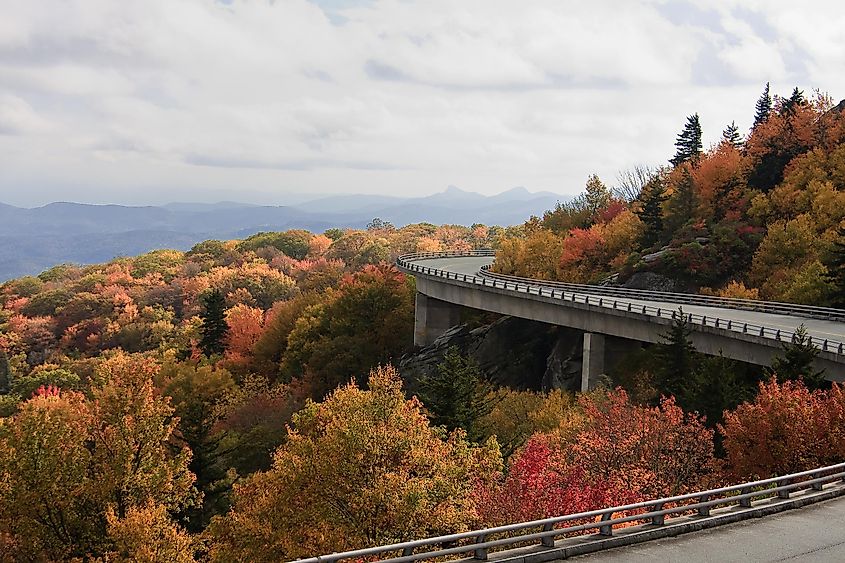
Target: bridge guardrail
809 311
594 296
478 542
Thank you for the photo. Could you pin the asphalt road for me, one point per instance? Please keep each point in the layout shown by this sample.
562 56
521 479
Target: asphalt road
812 534
817 328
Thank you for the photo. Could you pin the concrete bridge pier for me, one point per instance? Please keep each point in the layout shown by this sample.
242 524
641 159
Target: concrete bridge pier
592 363
433 317
602 354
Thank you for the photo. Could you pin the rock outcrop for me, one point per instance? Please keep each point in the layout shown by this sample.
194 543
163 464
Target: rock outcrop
511 352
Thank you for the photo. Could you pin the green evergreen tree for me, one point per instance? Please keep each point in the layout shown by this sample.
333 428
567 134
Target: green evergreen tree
677 360
456 394
688 144
5 373
792 103
681 206
797 361
651 211
763 108
214 328
731 135
836 270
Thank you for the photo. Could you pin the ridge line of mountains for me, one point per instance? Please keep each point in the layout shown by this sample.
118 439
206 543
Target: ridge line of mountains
34 239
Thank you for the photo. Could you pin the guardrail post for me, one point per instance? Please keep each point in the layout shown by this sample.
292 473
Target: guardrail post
629 307
548 541
658 519
817 486
607 529
785 493
480 553
729 324
704 510
717 322
745 502
407 551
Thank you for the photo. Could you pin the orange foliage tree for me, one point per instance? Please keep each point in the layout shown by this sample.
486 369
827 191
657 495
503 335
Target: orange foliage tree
648 451
786 429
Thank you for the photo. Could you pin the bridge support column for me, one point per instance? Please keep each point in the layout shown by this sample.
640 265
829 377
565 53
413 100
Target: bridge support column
592 364
432 318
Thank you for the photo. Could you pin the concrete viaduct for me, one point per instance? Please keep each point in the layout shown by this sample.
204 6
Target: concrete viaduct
615 318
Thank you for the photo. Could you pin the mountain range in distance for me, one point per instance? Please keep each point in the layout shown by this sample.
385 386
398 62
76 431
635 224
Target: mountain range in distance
34 239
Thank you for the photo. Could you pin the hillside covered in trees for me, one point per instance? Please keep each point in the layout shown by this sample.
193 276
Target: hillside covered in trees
756 216
239 401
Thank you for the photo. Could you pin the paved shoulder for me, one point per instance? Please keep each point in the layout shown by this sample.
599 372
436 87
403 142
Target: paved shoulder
810 534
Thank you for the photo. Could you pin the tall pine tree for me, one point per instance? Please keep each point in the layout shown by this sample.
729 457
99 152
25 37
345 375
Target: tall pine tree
214 328
763 107
5 373
681 206
651 211
678 359
456 394
797 361
836 270
731 135
688 144
792 103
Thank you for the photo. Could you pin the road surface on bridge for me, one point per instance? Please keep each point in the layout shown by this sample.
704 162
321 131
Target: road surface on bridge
812 534
817 328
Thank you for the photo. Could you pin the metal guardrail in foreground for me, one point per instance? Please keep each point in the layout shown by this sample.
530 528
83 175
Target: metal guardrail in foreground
478 542
592 295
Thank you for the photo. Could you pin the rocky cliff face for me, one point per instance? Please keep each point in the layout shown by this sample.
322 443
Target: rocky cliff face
511 352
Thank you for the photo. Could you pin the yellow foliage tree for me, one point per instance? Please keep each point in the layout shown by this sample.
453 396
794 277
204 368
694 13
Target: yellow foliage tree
362 468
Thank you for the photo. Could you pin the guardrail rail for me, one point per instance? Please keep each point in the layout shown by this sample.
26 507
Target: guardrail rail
478 543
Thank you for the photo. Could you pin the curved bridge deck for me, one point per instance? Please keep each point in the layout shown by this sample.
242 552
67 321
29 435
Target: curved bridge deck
749 331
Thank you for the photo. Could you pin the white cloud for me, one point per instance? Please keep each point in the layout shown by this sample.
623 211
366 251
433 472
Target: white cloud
183 99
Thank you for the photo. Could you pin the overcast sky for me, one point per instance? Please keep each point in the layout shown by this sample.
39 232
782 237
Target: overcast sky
150 101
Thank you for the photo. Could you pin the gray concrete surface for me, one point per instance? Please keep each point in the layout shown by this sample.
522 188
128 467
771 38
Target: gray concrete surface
813 533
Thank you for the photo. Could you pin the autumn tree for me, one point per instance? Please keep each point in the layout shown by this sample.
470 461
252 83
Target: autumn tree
786 429
514 416
67 460
367 321
147 534
362 468
649 451
541 482
688 144
214 328
44 461
456 394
